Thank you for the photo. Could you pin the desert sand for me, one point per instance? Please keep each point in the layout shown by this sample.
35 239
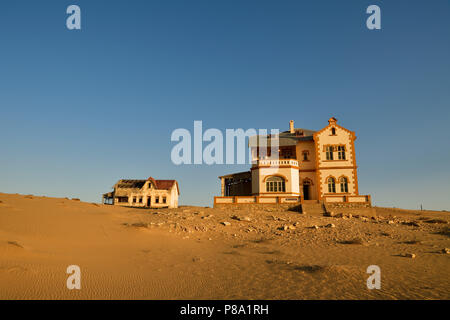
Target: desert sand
207 253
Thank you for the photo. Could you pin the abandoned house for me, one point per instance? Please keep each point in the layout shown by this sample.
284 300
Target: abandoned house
148 193
306 165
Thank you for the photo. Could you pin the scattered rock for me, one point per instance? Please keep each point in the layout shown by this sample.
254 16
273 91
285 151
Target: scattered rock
330 225
412 242
436 221
241 218
140 225
409 255
15 243
390 222
446 250
314 227
410 223
353 241
196 259
226 223
75 199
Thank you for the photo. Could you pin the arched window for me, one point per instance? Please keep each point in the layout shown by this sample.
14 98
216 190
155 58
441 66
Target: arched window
275 184
344 184
333 131
331 185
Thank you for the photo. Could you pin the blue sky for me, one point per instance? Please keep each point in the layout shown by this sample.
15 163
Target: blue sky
82 109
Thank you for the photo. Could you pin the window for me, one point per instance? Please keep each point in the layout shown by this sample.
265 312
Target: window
305 155
329 152
140 199
331 185
333 131
122 199
134 199
275 184
164 200
287 153
341 152
156 199
344 184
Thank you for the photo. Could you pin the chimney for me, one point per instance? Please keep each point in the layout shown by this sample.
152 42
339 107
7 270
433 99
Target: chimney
291 126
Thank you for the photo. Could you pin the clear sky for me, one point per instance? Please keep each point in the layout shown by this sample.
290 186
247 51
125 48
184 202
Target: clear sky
82 109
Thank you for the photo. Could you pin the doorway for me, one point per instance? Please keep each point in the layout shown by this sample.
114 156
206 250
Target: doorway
306 190
149 201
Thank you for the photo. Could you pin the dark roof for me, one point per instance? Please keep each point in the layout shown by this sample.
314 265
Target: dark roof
132 184
238 175
165 184
286 138
138 184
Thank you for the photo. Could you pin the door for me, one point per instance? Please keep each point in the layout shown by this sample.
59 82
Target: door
306 192
149 201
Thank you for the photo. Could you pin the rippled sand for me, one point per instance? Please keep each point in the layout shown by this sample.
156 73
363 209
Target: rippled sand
187 253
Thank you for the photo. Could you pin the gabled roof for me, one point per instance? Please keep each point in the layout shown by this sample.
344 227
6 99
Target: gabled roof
332 122
164 184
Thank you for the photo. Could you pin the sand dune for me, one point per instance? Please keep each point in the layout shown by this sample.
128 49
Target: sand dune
189 253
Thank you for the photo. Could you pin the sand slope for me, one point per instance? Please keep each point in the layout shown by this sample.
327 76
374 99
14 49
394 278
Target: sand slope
187 253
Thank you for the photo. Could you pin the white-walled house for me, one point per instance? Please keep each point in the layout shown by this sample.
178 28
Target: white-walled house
148 193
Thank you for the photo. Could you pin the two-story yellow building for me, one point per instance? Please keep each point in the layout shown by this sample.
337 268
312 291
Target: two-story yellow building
306 165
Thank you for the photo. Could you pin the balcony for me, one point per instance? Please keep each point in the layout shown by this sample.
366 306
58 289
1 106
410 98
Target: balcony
274 162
